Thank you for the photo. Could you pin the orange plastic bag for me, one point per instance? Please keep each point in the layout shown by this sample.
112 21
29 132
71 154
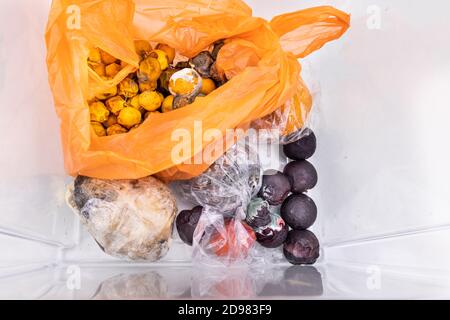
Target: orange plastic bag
259 57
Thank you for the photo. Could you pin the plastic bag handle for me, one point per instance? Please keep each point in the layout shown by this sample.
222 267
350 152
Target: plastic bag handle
305 31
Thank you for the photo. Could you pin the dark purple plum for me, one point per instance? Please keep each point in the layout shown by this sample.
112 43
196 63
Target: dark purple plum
302 149
301 247
202 63
302 175
258 213
274 234
299 211
187 222
217 46
275 188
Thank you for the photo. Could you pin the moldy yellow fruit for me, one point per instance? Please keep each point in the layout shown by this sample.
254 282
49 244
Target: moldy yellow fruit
123 107
128 88
116 129
112 120
167 105
98 112
112 70
182 87
186 82
150 100
95 56
99 69
208 86
162 58
129 117
142 47
182 101
164 79
149 70
147 86
107 58
98 128
168 50
115 104
134 102
111 92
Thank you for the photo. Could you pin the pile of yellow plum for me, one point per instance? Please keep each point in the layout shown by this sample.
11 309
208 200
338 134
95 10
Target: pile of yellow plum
158 86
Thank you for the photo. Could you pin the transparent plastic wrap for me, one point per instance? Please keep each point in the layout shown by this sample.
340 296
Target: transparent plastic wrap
129 219
224 191
229 183
289 123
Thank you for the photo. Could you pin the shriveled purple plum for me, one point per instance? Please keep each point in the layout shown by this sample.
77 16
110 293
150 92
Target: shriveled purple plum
275 188
301 247
202 63
187 222
302 175
258 213
303 148
274 234
299 211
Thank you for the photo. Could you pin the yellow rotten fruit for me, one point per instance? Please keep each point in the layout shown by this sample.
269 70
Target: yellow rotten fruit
142 47
150 100
98 128
182 87
149 70
128 88
147 86
95 56
116 129
107 58
162 58
115 104
98 111
170 52
111 92
208 86
186 82
112 70
129 117
134 102
112 120
167 105
99 68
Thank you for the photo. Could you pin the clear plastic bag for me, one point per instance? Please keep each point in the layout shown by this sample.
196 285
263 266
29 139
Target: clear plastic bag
288 123
229 183
224 191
